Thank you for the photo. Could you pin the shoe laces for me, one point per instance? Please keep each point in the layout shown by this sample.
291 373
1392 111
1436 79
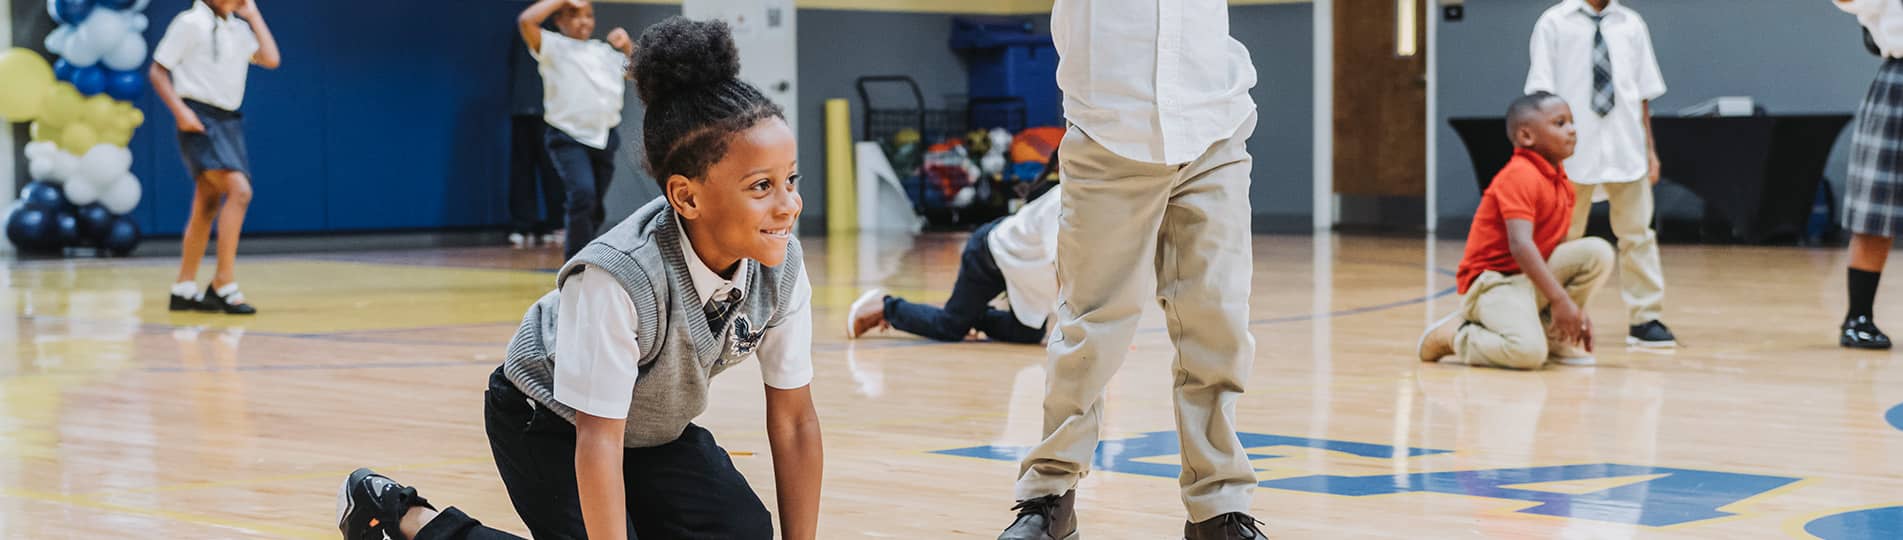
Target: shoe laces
1244 525
1039 506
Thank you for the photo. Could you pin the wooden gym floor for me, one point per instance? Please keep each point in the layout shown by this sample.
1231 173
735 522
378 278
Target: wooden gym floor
120 419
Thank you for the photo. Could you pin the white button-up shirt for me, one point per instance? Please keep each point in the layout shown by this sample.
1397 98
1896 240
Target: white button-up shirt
582 82
1156 81
1612 148
208 56
598 358
1025 247
1884 19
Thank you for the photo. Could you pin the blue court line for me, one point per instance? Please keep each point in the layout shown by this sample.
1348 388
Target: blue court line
1895 416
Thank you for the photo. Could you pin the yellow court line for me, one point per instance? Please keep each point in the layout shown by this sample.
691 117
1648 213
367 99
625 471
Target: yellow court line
187 486
84 502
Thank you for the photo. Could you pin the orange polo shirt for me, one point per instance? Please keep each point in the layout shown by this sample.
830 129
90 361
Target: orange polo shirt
1528 188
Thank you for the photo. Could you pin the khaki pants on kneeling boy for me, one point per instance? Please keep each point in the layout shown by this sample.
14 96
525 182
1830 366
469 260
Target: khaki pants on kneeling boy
1506 315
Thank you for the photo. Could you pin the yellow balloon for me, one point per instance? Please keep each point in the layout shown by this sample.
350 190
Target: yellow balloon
99 110
78 138
27 78
115 136
61 105
40 132
137 117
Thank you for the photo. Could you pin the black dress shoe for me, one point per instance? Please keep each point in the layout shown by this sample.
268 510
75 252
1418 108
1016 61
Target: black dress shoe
1230 526
180 303
1860 332
1651 335
233 304
1050 517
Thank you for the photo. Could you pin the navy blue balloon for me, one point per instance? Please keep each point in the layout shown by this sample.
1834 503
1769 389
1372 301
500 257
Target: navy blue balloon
94 221
43 196
125 85
32 229
117 4
68 225
90 80
122 237
64 70
69 11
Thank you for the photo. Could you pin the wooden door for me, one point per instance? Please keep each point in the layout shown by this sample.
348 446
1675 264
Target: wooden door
1381 97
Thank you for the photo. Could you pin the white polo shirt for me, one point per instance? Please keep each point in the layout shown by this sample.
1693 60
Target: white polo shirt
208 56
1612 148
594 338
582 82
1156 81
1025 248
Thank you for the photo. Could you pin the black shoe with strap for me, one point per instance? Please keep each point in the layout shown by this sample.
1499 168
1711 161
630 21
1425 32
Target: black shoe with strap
181 303
1860 332
1230 526
233 303
370 506
1651 335
1050 517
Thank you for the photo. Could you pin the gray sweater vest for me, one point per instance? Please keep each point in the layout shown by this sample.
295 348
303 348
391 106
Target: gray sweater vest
680 354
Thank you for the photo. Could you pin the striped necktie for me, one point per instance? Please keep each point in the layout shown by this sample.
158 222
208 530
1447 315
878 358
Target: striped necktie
1602 93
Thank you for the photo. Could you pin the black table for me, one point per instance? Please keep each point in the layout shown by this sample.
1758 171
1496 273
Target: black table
1757 174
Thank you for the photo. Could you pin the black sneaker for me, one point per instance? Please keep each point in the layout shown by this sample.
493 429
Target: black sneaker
1230 526
1861 333
1050 517
234 304
370 505
1653 334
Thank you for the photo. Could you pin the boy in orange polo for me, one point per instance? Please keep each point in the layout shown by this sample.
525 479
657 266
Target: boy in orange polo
1523 288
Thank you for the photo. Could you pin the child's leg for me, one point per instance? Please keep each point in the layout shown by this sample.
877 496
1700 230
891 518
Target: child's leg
1641 278
451 524
978 282
1204 266
205 194
525 142
689 489
534 451
237 191
1581 266
554 198
1004 326
1582 210
603 161
1503 324
573 165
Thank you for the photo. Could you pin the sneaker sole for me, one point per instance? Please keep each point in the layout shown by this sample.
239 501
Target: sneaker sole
1636 342
1577 361
1422 342
852 313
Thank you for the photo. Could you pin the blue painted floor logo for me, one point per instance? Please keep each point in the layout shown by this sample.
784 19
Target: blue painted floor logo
1670 496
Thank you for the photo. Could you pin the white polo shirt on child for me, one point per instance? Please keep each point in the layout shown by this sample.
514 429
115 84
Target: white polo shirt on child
582 82
595 338
1025 248
208 56
1612 148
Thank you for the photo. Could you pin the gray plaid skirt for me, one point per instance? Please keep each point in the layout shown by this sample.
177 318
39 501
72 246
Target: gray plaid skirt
1873 193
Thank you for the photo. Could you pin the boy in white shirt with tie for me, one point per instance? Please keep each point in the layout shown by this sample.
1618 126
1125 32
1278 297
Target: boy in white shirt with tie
1597 55
1155 169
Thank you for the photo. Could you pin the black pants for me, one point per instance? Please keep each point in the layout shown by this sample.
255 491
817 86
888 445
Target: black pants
586 172
528 165
684 489
979 281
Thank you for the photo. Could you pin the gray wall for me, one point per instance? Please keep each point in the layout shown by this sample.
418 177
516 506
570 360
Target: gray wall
632 186
1280 38
1793 57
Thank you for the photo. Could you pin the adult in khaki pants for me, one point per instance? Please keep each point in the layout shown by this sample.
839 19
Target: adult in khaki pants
1156 174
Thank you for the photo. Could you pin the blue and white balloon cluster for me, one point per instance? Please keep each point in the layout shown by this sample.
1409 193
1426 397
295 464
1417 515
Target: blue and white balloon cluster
83 186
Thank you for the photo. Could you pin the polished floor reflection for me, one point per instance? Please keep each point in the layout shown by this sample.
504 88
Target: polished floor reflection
120 419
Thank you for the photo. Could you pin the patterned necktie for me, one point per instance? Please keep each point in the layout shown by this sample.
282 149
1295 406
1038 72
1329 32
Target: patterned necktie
720 307
1602 95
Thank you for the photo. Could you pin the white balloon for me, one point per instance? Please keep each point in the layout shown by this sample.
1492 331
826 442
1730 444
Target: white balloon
139 6
102 165
81 193
56 40
40 149
128 55
123 196
139 22
80 52
102 32
41 169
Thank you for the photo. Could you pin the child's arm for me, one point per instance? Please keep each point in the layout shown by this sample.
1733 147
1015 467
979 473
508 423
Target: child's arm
162 86
267 55
598 475
1570 323
798 459
529 23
